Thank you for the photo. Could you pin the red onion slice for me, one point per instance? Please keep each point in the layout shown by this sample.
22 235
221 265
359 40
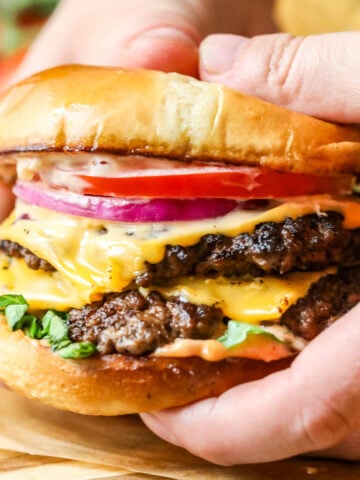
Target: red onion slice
128 210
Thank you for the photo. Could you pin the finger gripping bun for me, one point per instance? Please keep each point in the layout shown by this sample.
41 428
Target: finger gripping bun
115 384
76 108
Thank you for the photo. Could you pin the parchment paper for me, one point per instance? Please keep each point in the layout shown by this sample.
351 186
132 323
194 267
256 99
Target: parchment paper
19 466
125 443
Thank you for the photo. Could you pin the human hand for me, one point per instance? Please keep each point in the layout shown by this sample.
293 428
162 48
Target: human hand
162 35
316 75
314 406
157 34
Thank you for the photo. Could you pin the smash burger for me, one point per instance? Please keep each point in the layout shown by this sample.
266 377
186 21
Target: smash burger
170 239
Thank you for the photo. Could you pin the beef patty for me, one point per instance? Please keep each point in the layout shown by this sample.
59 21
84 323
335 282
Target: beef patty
327 300
13 249
131 324
312 242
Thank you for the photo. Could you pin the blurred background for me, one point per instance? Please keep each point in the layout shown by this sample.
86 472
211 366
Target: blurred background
20 20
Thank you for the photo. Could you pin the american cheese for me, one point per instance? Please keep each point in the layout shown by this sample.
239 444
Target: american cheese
271 296
99 257
250 301
42 290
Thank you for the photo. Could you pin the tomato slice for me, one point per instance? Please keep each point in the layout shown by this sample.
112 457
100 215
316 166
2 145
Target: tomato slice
137 176
212 182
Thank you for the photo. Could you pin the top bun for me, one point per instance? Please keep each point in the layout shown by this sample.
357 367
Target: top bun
82 108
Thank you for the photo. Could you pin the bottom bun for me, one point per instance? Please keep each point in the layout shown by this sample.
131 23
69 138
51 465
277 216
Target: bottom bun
117 384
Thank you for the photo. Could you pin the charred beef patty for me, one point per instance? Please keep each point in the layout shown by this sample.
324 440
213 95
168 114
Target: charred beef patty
132 324
311 242
327 300
13 249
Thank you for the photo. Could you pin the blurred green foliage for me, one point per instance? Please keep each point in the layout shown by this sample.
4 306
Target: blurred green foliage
14 16
11 8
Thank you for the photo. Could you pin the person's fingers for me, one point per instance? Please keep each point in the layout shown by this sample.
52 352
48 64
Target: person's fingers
316 75
6 201
347 449
142 34
309 407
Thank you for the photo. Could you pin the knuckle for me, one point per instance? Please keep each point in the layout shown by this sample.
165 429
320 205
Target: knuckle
282 72
323 425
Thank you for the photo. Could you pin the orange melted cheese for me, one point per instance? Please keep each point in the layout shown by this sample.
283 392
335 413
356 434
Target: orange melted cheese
250 301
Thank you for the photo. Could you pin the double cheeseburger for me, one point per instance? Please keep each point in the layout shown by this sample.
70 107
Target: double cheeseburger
170 239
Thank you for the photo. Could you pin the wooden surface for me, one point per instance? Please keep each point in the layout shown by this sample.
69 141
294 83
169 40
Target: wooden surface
89 448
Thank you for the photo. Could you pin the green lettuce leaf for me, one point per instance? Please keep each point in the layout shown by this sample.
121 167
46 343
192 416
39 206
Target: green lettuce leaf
52 327
6 300
238 332
77 350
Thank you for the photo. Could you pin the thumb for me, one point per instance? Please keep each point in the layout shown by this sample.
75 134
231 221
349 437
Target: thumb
316 75
137 34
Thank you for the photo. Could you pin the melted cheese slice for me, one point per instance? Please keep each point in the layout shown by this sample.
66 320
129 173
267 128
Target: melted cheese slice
250 301
272 296
98 257
42 290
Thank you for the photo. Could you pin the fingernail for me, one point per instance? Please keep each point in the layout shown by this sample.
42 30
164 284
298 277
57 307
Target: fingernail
167 33
218 52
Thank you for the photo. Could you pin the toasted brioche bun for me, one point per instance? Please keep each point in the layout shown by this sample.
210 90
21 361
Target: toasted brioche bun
115 384
80 108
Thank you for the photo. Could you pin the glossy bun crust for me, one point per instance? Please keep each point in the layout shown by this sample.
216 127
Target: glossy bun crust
81 108
115 384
